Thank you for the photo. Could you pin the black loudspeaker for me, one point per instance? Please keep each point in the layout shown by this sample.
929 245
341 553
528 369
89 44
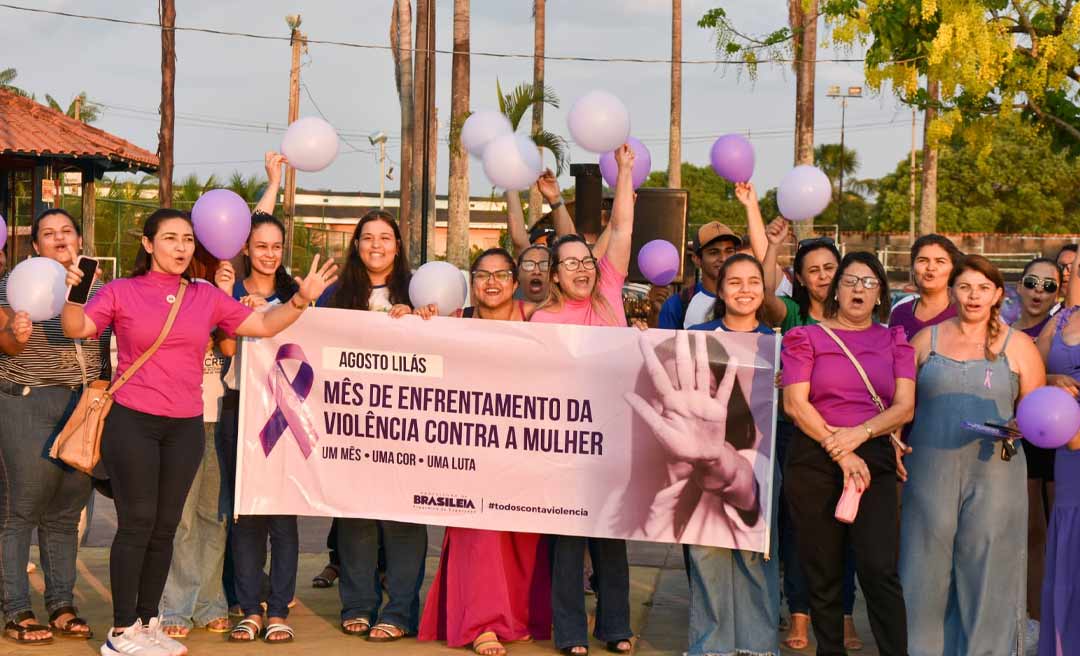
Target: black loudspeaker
659 214
588 196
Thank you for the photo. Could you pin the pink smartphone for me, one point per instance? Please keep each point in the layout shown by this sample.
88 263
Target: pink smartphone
848 506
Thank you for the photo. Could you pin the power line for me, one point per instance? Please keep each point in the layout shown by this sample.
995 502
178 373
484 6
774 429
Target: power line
473 53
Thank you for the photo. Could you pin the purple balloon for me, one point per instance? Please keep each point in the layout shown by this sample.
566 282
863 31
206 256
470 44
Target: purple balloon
658 261
732 158
3 232
1048 417
642 164
222 221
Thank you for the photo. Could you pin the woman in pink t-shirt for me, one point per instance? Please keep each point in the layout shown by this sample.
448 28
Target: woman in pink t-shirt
152 441
586 289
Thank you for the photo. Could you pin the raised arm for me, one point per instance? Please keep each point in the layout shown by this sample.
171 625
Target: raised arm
73 319
755 225
274 162
272 322
620 229
515 223
560 217
776 234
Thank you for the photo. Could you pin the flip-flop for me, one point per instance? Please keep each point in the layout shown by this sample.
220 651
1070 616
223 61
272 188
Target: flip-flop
226 628
176 636
488 640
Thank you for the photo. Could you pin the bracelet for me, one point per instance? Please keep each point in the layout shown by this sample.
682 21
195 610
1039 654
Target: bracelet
869 433
302 306
557 204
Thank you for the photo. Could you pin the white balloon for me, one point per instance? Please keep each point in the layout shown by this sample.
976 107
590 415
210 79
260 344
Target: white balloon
513 162
804 193
439 283
599 122
38 287
481 128
310 144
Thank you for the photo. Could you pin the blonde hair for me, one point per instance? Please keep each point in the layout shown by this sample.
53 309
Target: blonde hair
597 301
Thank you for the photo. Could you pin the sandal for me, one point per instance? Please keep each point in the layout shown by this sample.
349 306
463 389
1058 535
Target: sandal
393 633
21 630
326 578
852 641
569 651
220 625
616 647
69 629
275 629
487 644
175 631
349 626
248 627
798 637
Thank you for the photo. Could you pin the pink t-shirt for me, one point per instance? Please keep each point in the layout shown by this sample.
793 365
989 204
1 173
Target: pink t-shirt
169 384
581 313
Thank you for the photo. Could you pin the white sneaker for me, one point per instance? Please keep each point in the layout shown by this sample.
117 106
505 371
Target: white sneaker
134 641
169 645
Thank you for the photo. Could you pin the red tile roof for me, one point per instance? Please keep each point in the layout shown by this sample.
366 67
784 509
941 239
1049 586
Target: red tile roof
29 128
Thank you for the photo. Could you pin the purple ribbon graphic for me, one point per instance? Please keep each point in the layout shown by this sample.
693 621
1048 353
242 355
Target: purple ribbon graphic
290 413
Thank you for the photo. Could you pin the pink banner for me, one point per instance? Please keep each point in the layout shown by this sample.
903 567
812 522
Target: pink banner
609 432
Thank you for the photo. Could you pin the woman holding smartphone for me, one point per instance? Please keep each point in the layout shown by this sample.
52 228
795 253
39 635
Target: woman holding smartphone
41 378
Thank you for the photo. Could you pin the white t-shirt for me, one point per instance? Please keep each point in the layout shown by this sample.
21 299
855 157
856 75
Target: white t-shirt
699 309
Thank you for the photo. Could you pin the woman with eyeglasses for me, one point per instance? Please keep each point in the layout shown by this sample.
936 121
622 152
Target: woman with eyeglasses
962 553
586 289
932 260
491 586
842 440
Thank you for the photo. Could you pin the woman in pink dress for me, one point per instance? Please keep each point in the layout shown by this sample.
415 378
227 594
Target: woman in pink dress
492 586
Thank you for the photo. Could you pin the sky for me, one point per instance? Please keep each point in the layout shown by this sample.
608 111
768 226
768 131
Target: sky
226 87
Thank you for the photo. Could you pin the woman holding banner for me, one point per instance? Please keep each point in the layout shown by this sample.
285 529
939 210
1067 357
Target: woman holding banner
152 439
491 586
376 279
586 289
842 442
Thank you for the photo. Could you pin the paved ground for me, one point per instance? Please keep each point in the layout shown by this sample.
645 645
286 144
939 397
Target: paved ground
658 598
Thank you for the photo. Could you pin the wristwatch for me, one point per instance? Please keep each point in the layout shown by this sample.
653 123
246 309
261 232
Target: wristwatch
869 433
557 204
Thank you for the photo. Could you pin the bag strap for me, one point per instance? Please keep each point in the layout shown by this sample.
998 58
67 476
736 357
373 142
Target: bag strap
81 358
858 367
153 347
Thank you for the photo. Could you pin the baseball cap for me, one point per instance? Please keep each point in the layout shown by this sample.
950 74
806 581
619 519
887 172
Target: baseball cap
712 231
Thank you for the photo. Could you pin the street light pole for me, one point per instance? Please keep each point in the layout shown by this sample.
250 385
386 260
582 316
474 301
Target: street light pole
834 92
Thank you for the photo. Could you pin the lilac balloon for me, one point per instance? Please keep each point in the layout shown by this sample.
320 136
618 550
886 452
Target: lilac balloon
310 144
222 222
1048 417
804 193
599 122
3 232
732 158
658 261
609 168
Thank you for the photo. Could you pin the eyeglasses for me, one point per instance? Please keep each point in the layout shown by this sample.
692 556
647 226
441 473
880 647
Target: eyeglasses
869 282
1049 285
502 275
528 266
816 241
573 264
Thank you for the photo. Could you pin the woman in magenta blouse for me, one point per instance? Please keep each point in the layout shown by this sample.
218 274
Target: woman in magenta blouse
151 445
842 438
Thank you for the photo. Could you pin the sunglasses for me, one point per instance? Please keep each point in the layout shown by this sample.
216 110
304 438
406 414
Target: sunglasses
816 241
1049 285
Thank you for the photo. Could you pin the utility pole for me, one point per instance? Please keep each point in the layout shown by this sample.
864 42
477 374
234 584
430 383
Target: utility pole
834 92
379 139
911 191
167 18
299 43
425 102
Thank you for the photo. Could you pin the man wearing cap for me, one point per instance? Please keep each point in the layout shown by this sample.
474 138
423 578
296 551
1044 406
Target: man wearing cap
713 244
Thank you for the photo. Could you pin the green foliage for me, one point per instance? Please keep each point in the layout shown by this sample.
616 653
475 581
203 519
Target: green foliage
7 79
517 103
732 43
712 198
250 188
89 112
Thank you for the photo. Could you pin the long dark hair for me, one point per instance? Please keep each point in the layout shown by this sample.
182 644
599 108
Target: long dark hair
980 264
1041 260
799 293
143 260
52 211
284 284
719 307
354 290
832 305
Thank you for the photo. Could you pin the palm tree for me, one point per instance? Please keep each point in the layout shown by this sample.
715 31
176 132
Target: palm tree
7 76
840 166
191 189
524 97
249 188
400 42
539 20
457 235
80 108
675 134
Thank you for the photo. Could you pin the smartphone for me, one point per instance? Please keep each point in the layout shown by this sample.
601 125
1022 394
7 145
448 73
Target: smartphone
79 293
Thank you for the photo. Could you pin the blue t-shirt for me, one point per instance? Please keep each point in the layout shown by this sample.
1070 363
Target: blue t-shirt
673 312
718 324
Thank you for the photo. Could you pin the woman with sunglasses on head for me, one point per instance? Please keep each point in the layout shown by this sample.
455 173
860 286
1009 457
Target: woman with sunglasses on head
376 279
586 289
843 442
932 260
41 378
151 444
962 553
491 586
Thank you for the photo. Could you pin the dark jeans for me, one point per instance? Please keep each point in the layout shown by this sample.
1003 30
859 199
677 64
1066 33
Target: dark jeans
612 585
359 585
813 484
36 492
795 590
151 461
249 535
331 544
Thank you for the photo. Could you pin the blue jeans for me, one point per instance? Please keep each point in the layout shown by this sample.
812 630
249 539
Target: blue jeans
37 493
612 587
249 558
359 586
193 591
